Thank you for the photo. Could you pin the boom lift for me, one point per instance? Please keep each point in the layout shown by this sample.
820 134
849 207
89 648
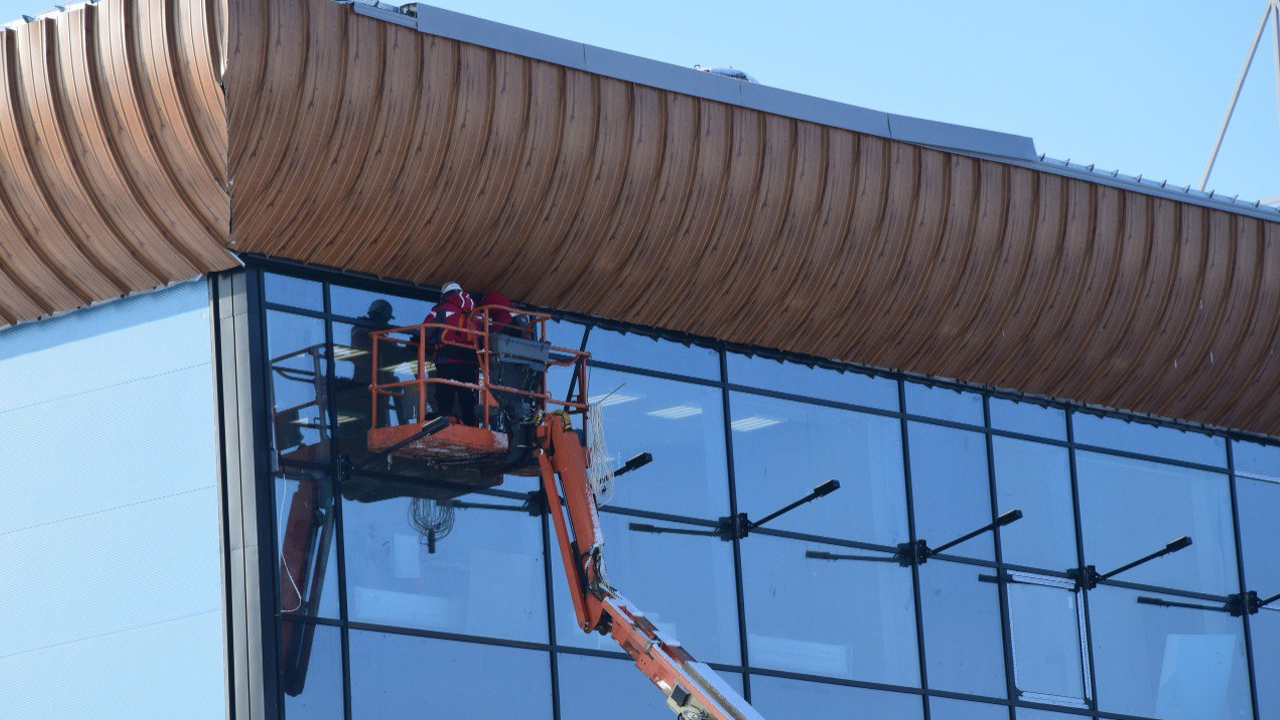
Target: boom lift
523 431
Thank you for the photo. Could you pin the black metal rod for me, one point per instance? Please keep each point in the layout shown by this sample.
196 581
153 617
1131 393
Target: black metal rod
822 490
635 463
1160 602
1001 521
658 530
821 555
1267 601
1179 544
468 505
430 428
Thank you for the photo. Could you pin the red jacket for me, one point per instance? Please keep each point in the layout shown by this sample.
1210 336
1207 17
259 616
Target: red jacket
499 315
454 311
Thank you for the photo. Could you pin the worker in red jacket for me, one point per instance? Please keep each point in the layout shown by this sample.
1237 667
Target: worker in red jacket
455 354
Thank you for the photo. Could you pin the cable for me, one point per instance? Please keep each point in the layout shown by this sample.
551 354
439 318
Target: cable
284 560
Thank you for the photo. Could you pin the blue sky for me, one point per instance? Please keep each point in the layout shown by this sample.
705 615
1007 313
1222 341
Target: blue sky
1135 85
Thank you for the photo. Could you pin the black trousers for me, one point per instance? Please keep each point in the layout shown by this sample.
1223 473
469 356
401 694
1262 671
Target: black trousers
453 400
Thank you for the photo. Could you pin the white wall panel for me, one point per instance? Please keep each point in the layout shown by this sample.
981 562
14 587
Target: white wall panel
109 513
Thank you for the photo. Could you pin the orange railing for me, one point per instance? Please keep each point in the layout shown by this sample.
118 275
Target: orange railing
481 341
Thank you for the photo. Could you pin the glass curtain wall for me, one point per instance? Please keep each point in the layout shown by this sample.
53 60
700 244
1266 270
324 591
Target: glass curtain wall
837 609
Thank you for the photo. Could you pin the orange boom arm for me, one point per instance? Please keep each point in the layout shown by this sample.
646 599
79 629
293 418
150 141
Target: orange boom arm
693 690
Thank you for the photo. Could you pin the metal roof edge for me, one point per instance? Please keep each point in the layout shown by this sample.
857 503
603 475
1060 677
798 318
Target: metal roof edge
688 81
1009 148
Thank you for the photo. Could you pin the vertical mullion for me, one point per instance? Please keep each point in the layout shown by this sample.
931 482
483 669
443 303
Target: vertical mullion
335 481
1011 692
551 611
1235 526
732 479
911 534
1080 561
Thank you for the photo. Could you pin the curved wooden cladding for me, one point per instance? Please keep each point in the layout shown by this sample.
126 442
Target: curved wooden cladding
366 146
112 153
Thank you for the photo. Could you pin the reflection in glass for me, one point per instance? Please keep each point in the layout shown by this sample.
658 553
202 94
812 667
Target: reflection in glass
298 367
818 382
1146 439
783 449
485 578
684 584
944 403
398 677
950 487
299 293
305 533
1256 460
1259 504
846 619
1028 418
950 709
314 692
592 688
1167 662
785 699
353 373
1130 508
1036 479
1037 714
643 351
1265 628
1047 628
682 424
353 303
962 629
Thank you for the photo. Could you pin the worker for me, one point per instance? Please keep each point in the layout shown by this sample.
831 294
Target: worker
501 318
390 354
455 354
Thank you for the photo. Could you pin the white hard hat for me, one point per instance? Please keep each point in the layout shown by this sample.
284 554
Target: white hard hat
450 287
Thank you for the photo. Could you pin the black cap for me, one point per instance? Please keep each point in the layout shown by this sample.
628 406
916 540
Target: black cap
380 308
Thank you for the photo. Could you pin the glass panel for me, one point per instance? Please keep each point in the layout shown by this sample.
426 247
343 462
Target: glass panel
643 351
1158 440
1046 630
565 334
486 576
1256 460
962 629
1134 507
944 403
783 699
398 677
951 489
1265 628
1259 503
684 584
1028 418
358 304
313 684
1034 714
1167 662
305 532
286 290
951 709
682 424
849 619
783 449
297 364
1036 479
592 688
818 382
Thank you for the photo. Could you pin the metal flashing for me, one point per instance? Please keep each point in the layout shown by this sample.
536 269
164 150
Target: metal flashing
666 76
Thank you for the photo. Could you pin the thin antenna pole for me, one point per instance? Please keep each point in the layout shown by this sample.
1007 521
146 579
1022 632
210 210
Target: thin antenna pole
1275 29
1235 96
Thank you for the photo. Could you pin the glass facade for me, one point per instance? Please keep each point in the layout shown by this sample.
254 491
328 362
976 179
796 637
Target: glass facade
820 613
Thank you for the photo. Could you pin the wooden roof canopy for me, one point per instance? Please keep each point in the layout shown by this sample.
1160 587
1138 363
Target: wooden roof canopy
143 139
